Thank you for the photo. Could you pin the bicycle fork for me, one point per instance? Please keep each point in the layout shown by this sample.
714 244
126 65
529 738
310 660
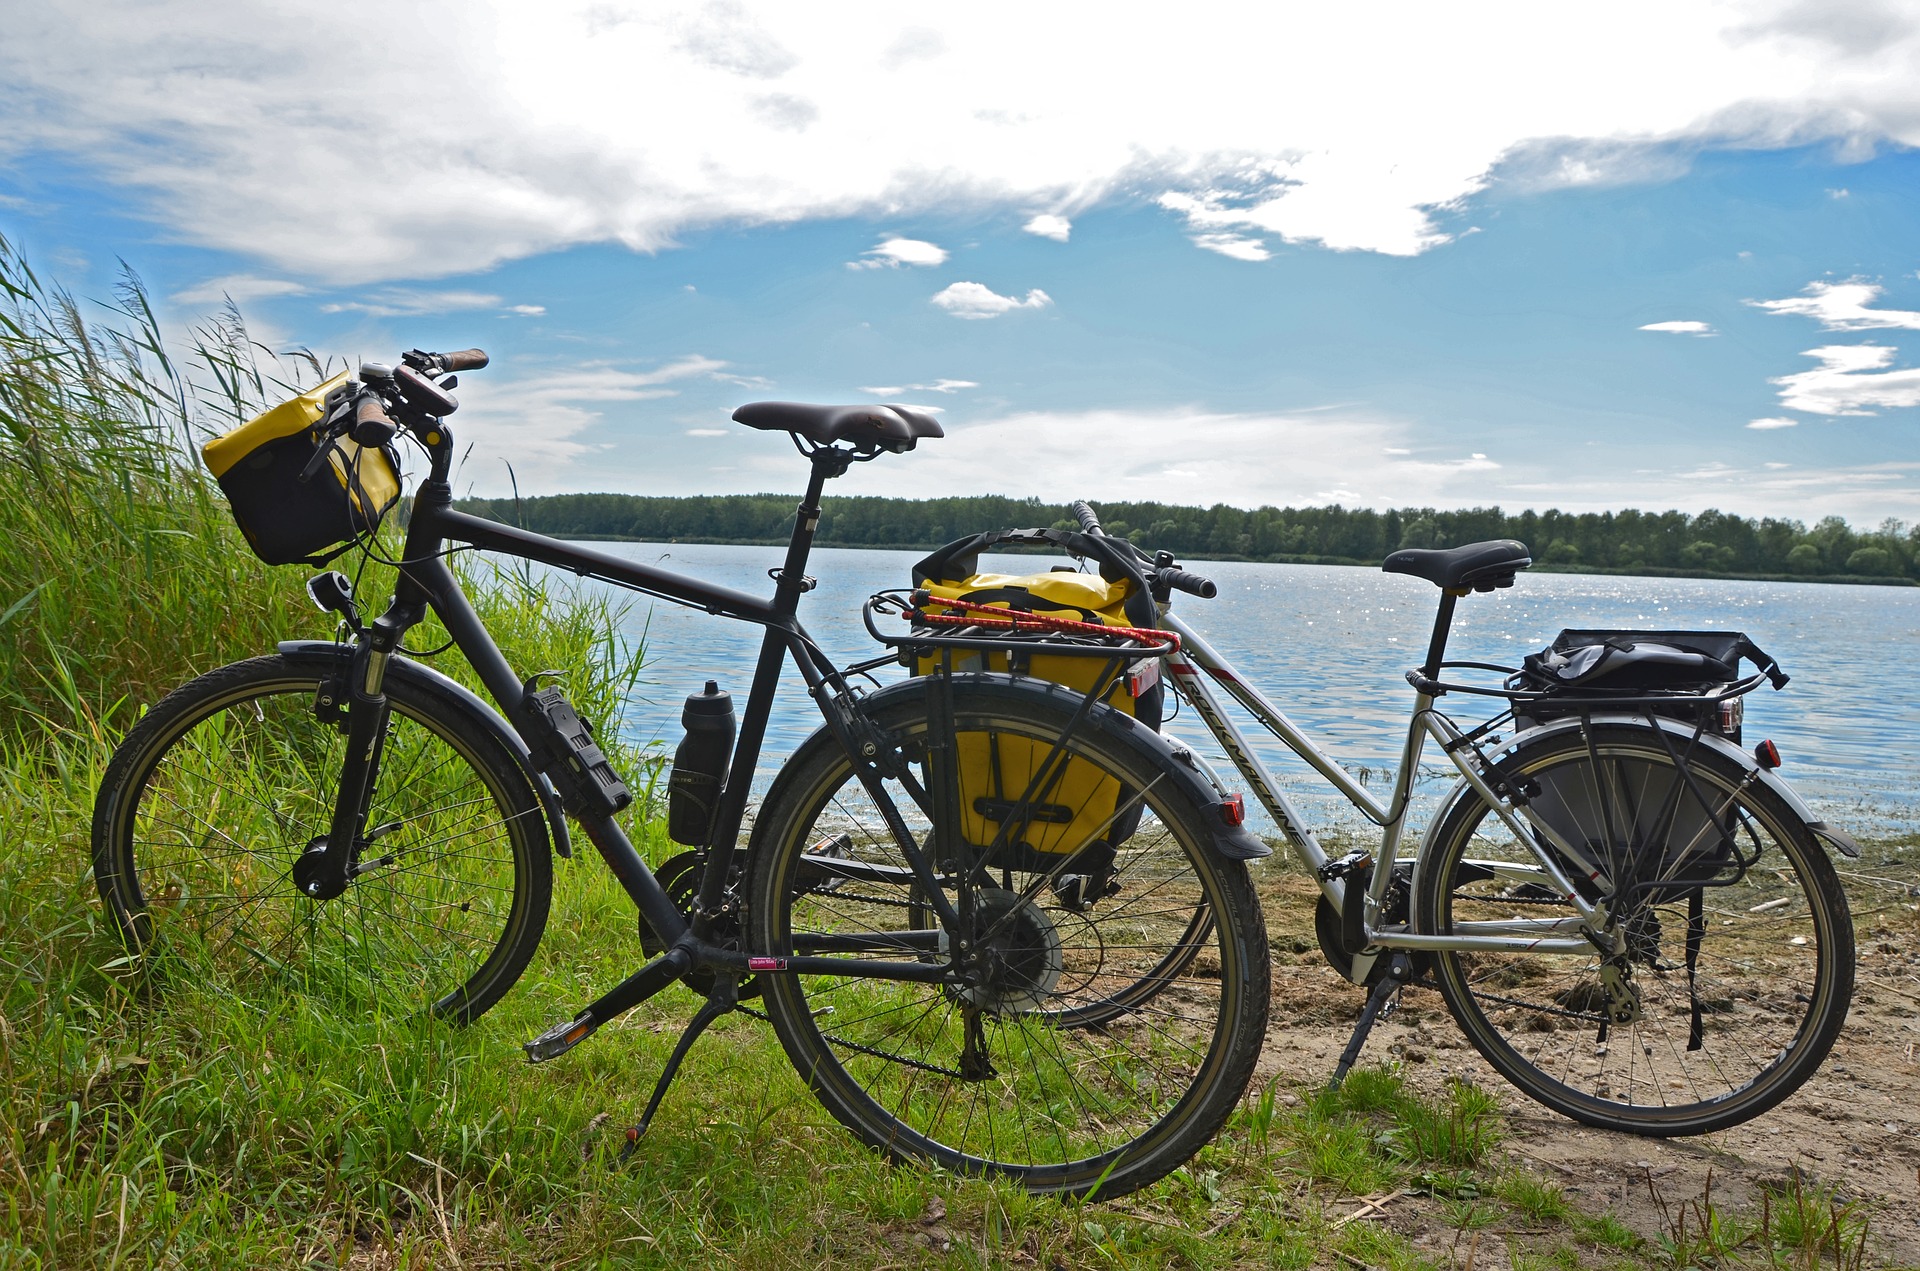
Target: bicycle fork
329 863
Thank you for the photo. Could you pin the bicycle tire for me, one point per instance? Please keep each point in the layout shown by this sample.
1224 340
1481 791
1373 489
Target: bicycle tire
1083 1096
1773 960
212 797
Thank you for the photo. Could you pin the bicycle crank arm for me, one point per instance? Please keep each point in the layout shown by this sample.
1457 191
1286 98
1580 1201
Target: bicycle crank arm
617 1001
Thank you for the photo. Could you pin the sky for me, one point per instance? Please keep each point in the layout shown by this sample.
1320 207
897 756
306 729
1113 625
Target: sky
1656 255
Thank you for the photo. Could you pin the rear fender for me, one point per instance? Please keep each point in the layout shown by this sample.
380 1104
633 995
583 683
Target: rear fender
482 717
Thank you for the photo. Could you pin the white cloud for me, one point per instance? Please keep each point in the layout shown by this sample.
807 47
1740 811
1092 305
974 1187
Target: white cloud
891 253
1850 380
1842 306
527 311
1777 421
1682 326
938 386
975 300
1047 225
535 423
238 287
393 302
1235 245
555 127
1241 459
706 432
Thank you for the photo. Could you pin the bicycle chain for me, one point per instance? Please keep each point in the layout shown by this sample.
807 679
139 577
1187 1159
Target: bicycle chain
866 1050
1588 1016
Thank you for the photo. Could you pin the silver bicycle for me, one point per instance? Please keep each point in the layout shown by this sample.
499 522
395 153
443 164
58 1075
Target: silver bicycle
1632 918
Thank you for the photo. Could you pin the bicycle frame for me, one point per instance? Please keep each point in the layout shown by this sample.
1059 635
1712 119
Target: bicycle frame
1197 662
426 582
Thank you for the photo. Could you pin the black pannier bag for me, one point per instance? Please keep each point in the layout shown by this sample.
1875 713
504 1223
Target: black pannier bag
286 520
1654 813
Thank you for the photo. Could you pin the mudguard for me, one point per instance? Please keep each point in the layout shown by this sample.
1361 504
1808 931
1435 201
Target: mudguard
1230 841
483 718
1835 839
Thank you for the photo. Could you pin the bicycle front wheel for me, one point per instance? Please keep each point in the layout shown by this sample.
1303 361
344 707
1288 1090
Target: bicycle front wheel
1085 1045
220 788
1737 966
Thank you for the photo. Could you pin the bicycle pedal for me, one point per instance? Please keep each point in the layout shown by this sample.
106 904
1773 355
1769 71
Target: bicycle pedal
559 1039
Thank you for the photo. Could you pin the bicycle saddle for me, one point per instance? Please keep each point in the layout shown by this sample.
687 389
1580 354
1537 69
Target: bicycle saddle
1481 566
894 428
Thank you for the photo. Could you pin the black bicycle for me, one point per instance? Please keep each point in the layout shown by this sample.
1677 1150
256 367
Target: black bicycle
339 816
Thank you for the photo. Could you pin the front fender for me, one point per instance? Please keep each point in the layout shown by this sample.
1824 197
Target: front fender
1231 841
482 717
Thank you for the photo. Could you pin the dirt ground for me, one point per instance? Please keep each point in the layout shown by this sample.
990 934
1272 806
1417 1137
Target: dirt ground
1855 1126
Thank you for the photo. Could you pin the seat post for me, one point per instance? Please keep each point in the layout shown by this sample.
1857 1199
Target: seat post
1442 624
791 584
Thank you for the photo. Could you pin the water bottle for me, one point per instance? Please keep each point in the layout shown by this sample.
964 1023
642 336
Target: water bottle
700 765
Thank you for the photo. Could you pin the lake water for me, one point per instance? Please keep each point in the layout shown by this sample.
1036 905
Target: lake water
1330 644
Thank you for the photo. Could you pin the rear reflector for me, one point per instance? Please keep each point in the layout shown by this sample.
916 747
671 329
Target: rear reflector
1233 810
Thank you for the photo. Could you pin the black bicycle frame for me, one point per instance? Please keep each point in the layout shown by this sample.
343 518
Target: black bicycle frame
426 582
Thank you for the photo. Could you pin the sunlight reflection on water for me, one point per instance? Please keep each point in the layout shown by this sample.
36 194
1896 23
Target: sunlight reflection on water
1330 646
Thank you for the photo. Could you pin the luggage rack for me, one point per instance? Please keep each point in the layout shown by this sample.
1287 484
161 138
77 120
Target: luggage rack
1588 698
979 628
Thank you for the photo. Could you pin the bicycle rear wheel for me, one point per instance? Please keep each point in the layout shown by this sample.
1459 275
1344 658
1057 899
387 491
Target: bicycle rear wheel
220 788
1091 1048
1739 946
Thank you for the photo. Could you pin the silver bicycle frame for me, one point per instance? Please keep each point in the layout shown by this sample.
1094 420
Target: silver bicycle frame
1195 670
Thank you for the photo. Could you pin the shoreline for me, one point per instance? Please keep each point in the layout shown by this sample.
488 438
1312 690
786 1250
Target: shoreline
1541 567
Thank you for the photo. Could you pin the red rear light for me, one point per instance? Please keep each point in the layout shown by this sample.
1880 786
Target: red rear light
1732 711
1233 810
1767 755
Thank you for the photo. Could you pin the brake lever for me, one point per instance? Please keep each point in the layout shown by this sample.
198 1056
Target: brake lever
321 453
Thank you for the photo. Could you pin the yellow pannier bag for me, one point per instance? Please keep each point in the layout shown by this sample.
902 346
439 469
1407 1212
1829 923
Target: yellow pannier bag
1080 807
258 466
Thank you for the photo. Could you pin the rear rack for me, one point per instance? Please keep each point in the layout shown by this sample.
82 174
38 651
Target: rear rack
1582 699
990 628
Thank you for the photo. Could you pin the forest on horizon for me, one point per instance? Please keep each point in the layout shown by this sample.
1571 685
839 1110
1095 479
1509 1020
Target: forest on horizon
1711 543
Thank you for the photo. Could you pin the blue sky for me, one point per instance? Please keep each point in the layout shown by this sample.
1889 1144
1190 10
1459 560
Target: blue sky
1664 257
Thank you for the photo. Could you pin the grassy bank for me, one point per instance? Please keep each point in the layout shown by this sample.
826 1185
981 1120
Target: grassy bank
151 1116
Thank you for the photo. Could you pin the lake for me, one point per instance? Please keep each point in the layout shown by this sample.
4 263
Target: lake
1330 644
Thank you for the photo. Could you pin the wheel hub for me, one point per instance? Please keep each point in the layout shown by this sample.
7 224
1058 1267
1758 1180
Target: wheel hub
1015 962
313 878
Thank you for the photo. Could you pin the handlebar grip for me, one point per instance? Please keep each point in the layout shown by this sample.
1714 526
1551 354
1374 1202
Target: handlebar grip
1192 584
372 426
464 360
1089 519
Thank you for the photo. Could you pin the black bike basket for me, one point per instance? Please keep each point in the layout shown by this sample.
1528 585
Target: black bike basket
286 520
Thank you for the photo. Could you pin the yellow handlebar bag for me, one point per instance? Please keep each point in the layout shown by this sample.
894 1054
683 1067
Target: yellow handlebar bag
286 521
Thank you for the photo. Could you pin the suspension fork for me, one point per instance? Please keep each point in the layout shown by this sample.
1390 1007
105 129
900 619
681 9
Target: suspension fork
328 864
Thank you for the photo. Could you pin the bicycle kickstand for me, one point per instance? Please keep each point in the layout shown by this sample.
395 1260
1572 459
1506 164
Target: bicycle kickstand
1380 1003
721 1001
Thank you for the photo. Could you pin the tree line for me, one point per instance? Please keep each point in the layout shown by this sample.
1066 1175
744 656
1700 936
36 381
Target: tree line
1629 541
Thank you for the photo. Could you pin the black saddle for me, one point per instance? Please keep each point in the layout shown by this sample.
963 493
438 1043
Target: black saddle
868 428
1481 566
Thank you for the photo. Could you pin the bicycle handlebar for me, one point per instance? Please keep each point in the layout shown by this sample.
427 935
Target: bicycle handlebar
464 360
1164 576
1192 584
